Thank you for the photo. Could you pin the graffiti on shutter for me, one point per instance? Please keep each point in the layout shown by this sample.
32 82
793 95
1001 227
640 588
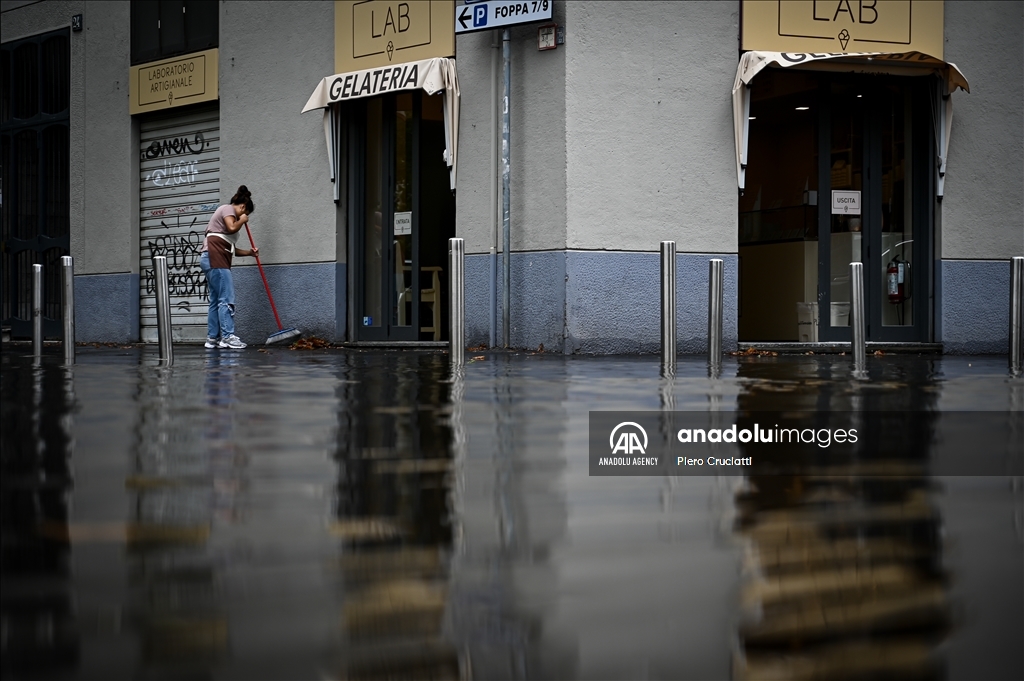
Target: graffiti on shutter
179 181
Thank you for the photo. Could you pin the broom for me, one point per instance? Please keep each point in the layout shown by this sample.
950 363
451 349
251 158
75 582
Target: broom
282 334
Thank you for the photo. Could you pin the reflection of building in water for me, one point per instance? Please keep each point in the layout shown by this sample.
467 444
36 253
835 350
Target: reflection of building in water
39 629
392 518
843 564
512 516
181 467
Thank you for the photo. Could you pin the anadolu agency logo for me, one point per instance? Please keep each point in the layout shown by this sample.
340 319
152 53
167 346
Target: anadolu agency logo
628 441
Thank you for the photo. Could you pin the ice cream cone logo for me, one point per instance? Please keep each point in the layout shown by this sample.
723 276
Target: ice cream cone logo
844 38
391 49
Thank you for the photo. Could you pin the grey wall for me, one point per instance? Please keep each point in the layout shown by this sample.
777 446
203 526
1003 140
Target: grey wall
974 308
608 303
106 308
649 125
537 131
272 54
304 296
476 184
981 213
614 145
104 208
983 204
108 238
621 137
611 151
104 193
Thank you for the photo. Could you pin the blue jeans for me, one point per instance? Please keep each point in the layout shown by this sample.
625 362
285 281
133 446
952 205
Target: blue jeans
220 321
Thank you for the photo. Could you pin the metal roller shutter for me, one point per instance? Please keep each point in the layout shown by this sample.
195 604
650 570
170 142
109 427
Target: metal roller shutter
179 191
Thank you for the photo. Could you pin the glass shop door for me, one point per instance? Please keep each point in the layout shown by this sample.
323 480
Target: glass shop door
402 214
875 143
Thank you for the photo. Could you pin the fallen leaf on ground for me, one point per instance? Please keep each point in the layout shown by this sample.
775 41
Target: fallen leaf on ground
754 352
312 343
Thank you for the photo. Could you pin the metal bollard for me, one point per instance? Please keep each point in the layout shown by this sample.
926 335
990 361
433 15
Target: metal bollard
716 274
1016 315
37 310
457 300
857 321
668 306
163 309
68 275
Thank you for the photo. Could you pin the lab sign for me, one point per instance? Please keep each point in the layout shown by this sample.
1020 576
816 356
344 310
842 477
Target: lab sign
843 26
370 34
845 202
481 16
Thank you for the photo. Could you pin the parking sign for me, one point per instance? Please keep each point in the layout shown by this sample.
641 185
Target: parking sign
497 13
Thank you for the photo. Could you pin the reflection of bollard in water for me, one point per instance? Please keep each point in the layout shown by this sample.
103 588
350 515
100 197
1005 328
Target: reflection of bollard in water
175 485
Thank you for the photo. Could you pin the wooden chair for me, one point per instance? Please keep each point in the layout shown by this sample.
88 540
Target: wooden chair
429 296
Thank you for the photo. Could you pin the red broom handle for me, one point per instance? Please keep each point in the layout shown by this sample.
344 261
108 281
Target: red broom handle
273 307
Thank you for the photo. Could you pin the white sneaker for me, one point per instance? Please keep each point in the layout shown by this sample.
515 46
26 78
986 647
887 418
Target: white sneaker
211 343
232 341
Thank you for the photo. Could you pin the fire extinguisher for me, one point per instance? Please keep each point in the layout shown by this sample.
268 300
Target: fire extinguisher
897 280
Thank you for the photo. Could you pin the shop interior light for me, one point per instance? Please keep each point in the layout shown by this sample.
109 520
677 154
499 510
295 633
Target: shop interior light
859 96
752 118
802 108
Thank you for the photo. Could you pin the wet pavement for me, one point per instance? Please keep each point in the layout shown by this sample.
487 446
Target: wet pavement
330 514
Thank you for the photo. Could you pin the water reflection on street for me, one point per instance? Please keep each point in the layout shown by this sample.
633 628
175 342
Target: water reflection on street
344 514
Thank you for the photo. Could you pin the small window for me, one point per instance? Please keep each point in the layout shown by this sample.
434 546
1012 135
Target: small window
168 28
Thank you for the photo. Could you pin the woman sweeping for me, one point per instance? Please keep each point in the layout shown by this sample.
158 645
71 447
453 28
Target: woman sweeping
215 261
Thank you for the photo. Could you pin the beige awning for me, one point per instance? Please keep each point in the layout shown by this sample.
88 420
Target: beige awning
430 75
903 64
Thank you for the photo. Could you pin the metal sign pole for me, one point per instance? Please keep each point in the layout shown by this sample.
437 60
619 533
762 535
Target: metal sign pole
506 55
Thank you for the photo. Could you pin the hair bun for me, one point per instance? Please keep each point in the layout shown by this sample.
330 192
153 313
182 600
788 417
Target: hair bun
244 191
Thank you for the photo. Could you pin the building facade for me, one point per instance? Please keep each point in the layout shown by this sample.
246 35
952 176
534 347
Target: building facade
642 122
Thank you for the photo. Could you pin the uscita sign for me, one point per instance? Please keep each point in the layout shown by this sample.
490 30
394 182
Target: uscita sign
845 202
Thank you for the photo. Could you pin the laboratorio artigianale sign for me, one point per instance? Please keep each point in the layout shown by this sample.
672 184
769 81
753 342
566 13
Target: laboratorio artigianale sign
871 444
168 83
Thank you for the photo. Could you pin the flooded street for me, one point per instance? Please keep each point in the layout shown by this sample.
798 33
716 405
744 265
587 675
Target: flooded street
364 514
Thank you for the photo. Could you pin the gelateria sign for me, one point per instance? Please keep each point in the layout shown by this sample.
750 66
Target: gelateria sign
180 81
833 26
376 33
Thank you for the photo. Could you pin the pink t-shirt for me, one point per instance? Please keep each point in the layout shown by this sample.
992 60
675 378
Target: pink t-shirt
219 226
223 245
